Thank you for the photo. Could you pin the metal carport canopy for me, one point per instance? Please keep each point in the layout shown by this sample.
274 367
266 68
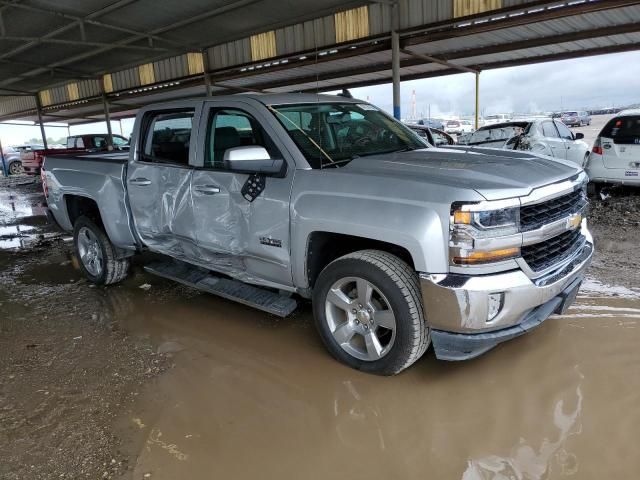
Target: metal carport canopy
69 54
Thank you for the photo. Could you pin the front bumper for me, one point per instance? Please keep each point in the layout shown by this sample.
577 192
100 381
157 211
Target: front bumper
459 346
456 306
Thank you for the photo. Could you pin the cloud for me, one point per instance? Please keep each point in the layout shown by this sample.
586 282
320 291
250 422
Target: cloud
591 82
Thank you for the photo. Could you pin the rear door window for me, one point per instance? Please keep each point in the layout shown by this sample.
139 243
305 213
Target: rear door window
623 130
549 130
168 137
564 131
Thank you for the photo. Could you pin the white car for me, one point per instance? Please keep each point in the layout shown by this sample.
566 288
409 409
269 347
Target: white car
544 136
466 126
615 157
495 119
453 127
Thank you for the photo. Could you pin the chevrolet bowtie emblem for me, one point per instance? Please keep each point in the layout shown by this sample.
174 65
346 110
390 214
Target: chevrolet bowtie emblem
574 221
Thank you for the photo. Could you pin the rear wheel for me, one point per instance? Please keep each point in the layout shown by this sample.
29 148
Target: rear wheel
368 311
15 168
97 254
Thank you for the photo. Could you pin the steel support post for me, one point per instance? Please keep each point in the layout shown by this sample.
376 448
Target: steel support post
395 59
42 132
477 100
107 118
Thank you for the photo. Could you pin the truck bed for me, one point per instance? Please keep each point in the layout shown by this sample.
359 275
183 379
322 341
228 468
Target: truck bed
116 156
96 176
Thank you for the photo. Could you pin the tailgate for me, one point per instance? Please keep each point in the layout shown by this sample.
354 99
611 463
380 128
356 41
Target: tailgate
27 158
621 143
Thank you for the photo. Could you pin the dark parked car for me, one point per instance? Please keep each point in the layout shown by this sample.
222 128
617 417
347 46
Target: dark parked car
433 135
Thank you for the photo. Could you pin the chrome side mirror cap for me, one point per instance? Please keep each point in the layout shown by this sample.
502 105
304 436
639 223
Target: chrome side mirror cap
252 159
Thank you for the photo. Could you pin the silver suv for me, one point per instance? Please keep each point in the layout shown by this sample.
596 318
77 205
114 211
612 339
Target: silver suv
576 118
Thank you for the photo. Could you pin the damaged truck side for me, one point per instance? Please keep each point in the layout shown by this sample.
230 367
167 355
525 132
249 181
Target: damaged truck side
267 199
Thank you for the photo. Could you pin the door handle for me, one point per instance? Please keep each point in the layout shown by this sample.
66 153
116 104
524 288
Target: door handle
140 181
206 189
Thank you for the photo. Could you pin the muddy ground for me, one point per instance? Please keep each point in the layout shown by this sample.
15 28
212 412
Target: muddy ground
149 379
614 218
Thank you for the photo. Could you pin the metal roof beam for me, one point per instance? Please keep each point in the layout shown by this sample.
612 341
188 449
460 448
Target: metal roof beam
90 19
13 90
459 54
486 66
60 41
451 31
441 61
126 41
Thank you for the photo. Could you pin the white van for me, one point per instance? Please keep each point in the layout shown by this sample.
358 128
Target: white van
499 118
615 156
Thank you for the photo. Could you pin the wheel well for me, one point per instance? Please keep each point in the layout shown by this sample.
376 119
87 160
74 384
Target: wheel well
78 206
324 247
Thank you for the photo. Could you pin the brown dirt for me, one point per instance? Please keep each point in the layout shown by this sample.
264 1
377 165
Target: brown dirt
614 219
66 367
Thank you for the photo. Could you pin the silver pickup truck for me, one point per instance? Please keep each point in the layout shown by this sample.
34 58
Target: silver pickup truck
272 199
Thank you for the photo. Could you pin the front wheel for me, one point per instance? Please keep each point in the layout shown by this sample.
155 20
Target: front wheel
368 310
97 254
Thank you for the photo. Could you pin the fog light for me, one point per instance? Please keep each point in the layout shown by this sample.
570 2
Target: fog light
494 305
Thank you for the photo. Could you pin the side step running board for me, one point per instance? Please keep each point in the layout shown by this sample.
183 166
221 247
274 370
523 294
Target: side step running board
196 277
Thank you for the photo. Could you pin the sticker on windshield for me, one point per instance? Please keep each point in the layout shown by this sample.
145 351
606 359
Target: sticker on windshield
366 106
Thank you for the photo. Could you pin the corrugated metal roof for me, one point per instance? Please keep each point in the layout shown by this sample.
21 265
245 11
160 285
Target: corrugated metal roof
45 47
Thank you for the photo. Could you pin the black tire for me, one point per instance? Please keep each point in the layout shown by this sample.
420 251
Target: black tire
398 282
15 168
113 270
594 188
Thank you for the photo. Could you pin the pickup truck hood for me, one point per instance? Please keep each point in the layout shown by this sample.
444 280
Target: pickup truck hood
494 174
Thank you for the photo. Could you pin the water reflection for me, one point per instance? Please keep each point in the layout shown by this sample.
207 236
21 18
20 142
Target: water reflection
529 463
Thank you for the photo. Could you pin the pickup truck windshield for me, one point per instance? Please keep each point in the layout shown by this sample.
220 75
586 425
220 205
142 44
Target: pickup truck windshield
332 134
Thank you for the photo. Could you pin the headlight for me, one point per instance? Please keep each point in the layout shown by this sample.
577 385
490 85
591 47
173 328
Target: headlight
507 218
482 233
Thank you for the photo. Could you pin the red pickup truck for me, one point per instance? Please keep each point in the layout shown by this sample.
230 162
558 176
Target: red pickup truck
32 159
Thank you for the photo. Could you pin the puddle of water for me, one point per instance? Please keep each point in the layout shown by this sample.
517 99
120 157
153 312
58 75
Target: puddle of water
14 230
252 396
24 205
61 268
593 287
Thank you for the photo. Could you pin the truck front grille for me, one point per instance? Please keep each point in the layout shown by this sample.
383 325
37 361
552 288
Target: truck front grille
535 216
550 252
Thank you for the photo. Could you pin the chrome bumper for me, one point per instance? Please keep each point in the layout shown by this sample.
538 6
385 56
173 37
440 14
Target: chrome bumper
458 304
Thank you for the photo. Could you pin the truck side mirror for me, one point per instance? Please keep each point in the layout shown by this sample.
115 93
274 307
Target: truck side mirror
578 136
252 159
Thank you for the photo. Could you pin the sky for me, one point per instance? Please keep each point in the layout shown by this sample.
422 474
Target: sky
592 82
602 81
